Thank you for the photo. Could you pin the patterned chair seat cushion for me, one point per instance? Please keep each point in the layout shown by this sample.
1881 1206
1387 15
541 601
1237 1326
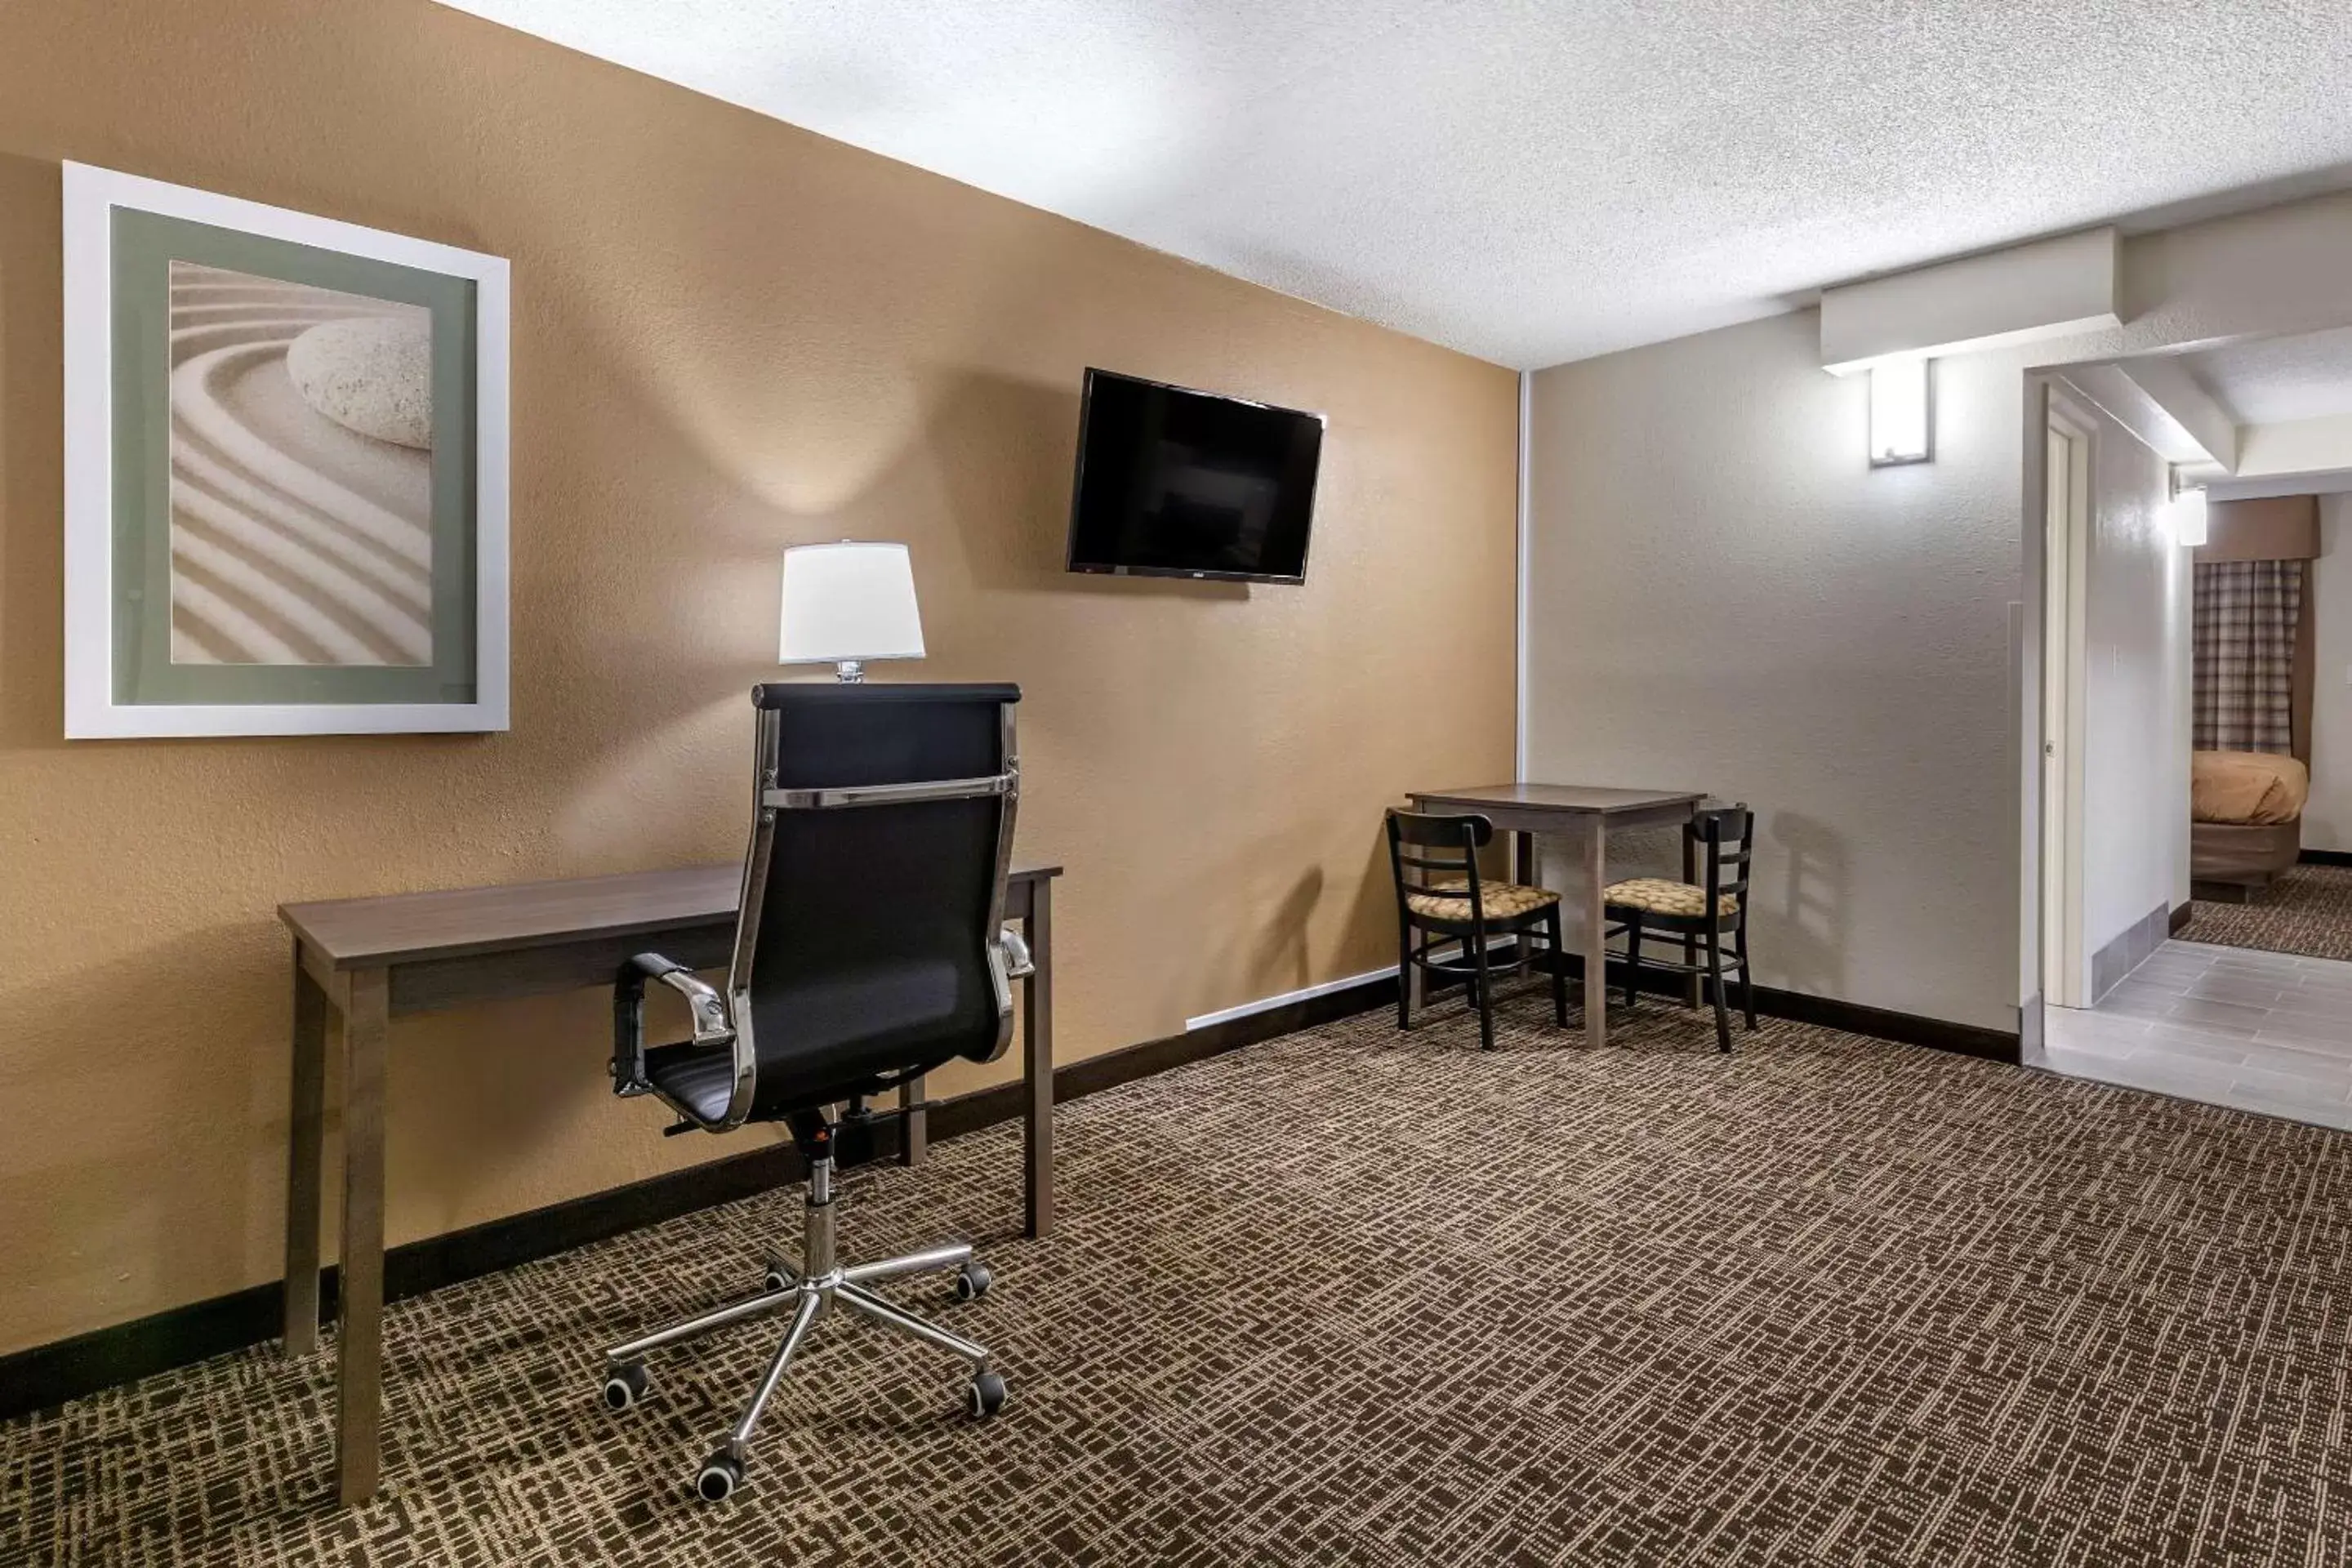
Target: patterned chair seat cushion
1500 900
1657 896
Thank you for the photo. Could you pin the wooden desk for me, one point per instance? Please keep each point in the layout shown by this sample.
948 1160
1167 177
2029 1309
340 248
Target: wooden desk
369 961
1588 814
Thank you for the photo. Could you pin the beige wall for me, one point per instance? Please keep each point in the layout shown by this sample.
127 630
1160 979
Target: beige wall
729 335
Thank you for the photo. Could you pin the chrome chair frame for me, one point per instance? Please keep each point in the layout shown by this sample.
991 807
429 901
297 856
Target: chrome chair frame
819 1281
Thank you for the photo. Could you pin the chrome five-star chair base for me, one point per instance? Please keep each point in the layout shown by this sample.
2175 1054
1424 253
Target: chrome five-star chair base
806 1293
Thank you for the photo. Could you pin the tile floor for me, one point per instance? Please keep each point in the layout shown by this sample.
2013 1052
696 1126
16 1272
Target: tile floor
2261 1031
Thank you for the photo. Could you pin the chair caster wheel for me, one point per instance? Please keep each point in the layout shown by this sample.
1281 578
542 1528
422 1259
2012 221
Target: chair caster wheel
985 1397
778 1276
625 1385
720 1475
973 1281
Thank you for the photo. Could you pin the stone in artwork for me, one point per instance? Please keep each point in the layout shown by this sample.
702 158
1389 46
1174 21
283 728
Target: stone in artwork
373 375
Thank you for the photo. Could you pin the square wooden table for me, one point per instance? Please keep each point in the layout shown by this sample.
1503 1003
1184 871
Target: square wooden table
1570 811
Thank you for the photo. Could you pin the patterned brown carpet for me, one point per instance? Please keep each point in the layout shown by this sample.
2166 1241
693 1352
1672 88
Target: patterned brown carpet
2308 910
1354 1297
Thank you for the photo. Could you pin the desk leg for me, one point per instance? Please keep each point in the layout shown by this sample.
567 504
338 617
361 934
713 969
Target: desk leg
1596 932
1037 1061
359 1351
1691 997
304 1141
914 1124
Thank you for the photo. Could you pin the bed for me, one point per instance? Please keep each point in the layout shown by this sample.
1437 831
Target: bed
2245 821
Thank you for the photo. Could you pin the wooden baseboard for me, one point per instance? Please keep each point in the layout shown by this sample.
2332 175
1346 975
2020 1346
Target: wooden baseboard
1854 1017
2181 915
46 1375
1887 1024
2327 856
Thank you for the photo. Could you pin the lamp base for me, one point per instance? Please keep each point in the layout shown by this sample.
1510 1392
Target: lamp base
849 671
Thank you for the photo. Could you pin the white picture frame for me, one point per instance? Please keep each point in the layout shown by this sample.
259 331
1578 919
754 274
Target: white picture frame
95 703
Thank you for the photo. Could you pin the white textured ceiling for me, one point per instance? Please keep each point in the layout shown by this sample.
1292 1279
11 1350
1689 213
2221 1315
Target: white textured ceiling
1535 180
2273 381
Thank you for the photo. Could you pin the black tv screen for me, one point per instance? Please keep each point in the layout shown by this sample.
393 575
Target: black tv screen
1173 483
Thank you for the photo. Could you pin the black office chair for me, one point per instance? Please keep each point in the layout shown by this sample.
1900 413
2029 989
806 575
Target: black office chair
1442 899
1701 913
870 949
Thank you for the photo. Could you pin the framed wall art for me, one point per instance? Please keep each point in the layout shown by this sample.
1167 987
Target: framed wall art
286 471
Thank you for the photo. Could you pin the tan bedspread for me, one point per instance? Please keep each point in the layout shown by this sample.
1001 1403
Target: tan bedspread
2256 787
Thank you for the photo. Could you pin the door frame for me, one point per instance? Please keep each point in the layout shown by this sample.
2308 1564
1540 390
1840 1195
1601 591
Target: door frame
2071 435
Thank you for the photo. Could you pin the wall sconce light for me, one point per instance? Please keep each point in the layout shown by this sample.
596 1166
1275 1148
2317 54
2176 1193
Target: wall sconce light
2188 512
1902 413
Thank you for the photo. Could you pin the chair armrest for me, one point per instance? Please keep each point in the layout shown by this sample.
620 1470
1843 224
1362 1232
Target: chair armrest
712 1025
1015 947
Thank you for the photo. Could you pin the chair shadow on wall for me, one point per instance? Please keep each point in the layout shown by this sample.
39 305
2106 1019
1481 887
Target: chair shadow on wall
1373 919
1803 938
1268 948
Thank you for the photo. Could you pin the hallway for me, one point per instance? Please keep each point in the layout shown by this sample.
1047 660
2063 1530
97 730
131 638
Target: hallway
2268 1032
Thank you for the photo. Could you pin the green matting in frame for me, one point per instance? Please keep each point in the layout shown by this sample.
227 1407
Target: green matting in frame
145 671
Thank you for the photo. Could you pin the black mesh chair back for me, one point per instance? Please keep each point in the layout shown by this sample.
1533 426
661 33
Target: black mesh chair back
868 950
874 890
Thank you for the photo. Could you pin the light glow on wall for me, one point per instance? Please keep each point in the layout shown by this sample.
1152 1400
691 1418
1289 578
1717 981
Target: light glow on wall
1902 413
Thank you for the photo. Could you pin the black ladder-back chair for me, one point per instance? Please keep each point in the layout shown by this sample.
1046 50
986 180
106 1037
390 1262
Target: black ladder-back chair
870 948
1703 915
1442 901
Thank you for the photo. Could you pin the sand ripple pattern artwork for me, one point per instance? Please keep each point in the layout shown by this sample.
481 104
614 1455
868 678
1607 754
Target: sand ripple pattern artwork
301 474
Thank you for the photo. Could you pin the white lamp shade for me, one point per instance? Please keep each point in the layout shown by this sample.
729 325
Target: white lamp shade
849 601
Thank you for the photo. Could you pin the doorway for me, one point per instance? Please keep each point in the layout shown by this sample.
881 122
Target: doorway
2142 694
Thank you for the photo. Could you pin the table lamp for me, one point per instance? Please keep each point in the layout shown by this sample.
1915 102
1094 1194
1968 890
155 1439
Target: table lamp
847 603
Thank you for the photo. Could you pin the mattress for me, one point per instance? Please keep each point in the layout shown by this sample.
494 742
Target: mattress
2256 789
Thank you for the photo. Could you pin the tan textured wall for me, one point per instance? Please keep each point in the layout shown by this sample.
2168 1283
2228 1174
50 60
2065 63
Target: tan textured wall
729 335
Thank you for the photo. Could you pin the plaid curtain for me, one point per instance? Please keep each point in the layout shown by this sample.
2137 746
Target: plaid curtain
2245 617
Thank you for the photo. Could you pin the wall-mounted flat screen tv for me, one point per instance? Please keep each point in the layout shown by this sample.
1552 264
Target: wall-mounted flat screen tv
1174 483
